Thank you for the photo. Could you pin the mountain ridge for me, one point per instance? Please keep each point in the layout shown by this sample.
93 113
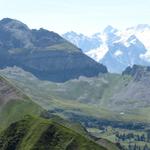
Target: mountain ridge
108 96
44 53
119 48
23 135
12 102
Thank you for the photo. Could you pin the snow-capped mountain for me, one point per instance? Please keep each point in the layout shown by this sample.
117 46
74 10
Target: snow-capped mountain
116 49
83 41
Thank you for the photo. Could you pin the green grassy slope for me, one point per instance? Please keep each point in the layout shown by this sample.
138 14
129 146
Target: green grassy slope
16 109
109 96
40 134
14 104
85 96
31 133
53 96
67 123
65 46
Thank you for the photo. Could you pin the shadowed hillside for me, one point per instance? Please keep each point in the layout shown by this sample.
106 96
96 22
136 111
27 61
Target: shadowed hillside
44 53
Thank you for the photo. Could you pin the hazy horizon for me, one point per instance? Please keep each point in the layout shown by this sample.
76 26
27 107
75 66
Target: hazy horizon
85 17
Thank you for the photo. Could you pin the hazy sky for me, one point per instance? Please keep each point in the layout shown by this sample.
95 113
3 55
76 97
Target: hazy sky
86 16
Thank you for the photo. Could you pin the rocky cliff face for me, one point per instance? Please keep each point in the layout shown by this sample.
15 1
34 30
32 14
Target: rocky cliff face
46 54
137 71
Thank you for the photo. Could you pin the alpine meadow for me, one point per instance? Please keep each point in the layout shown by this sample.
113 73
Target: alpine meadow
74 75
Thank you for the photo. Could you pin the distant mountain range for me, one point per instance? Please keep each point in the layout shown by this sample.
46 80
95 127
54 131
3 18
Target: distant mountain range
44 53
44 78
115 48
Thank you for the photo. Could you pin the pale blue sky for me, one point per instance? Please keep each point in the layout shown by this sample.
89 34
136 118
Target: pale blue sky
86 16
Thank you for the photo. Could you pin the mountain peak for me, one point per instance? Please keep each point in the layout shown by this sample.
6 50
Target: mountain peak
44 53
72 34
142 26
110 29
13 24
137 71
6 20
139 27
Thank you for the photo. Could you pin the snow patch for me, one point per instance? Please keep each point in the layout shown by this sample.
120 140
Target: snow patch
122 113
98 53
118 53
143 35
